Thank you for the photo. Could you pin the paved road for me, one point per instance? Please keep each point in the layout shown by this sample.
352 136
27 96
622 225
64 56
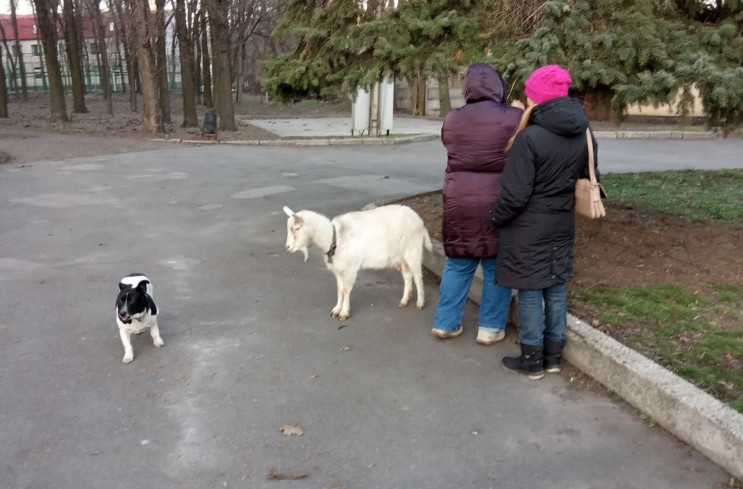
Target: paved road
250 347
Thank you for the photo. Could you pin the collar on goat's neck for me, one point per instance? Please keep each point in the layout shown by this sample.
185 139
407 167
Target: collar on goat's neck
331 251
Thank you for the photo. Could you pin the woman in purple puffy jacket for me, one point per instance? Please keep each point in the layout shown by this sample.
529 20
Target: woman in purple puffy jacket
475 137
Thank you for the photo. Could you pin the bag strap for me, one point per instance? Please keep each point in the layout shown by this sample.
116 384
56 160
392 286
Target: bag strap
591 171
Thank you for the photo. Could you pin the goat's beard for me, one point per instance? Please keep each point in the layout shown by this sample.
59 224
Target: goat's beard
304 252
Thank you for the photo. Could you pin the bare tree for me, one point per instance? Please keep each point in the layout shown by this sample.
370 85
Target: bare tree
3 89
161 61
10 58
46 18
73 49
17 44
196 43
220 41
105 73
144 27
206 62
117 45
253 23
124 12
188 82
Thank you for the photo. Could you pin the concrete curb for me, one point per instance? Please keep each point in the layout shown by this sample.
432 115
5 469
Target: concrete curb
416 138
705 423
691 135
367 141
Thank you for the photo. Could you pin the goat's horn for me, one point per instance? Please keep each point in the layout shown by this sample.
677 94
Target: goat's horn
288 211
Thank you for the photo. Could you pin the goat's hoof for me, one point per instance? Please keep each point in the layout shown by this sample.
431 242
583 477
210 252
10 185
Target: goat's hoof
402 304
343 317
420 306
334 313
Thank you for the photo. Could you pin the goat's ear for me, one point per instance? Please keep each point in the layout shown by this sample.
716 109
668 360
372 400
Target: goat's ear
288 211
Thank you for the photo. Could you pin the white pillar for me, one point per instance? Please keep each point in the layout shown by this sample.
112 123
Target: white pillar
360 113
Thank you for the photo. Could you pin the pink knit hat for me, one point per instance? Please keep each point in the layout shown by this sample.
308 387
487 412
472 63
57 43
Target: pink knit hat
546 83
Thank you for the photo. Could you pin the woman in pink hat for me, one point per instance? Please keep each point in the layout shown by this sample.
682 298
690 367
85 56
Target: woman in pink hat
535 217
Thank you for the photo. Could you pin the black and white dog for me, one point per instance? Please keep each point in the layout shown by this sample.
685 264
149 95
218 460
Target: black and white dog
136 311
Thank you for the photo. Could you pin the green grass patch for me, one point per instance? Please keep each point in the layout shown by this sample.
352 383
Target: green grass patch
714 196
697 337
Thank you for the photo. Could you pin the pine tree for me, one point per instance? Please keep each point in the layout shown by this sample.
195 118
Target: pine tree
342 46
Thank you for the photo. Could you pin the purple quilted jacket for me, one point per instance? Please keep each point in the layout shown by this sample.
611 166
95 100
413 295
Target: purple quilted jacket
475 137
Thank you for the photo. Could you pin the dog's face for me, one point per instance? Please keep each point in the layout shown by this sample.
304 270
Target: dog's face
131 302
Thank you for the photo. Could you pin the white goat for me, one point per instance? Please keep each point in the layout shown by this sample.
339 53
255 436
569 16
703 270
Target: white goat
391 236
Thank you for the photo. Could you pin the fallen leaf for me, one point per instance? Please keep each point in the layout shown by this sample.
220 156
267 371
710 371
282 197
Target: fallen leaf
291 430
278 476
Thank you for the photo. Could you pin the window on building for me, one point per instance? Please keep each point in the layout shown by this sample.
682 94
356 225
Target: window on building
94 48
16 51
38 74
111 27
35 49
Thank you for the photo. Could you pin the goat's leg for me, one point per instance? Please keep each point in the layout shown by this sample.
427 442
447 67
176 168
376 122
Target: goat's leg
349 278
420 293
336 311
407 278
414 261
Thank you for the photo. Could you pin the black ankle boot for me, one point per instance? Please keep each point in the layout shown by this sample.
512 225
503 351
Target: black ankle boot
552 355
529 363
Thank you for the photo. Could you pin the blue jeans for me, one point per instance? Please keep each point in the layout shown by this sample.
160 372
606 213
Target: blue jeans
455 284
543 314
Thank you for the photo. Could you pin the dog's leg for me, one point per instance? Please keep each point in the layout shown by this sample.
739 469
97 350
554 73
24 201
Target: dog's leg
155 332
128 351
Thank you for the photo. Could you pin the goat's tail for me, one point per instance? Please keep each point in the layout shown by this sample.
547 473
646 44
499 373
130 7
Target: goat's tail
427 240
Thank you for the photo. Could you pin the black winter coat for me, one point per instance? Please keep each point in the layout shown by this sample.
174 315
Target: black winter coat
535 211
475 137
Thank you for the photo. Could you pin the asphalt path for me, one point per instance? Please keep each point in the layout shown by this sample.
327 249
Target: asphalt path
250 347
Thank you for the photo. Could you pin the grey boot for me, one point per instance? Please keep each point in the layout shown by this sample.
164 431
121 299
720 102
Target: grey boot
529 363
552 355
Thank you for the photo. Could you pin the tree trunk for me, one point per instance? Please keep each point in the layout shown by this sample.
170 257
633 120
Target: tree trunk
239 67
46 21
130 57
196 45
3 91
151 119
444 98
105 73
206 63
17 44
161 62
220 41
74 57
418 96
117 42
188 85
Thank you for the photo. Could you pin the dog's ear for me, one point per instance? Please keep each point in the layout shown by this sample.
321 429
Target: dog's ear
122 286
142 286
